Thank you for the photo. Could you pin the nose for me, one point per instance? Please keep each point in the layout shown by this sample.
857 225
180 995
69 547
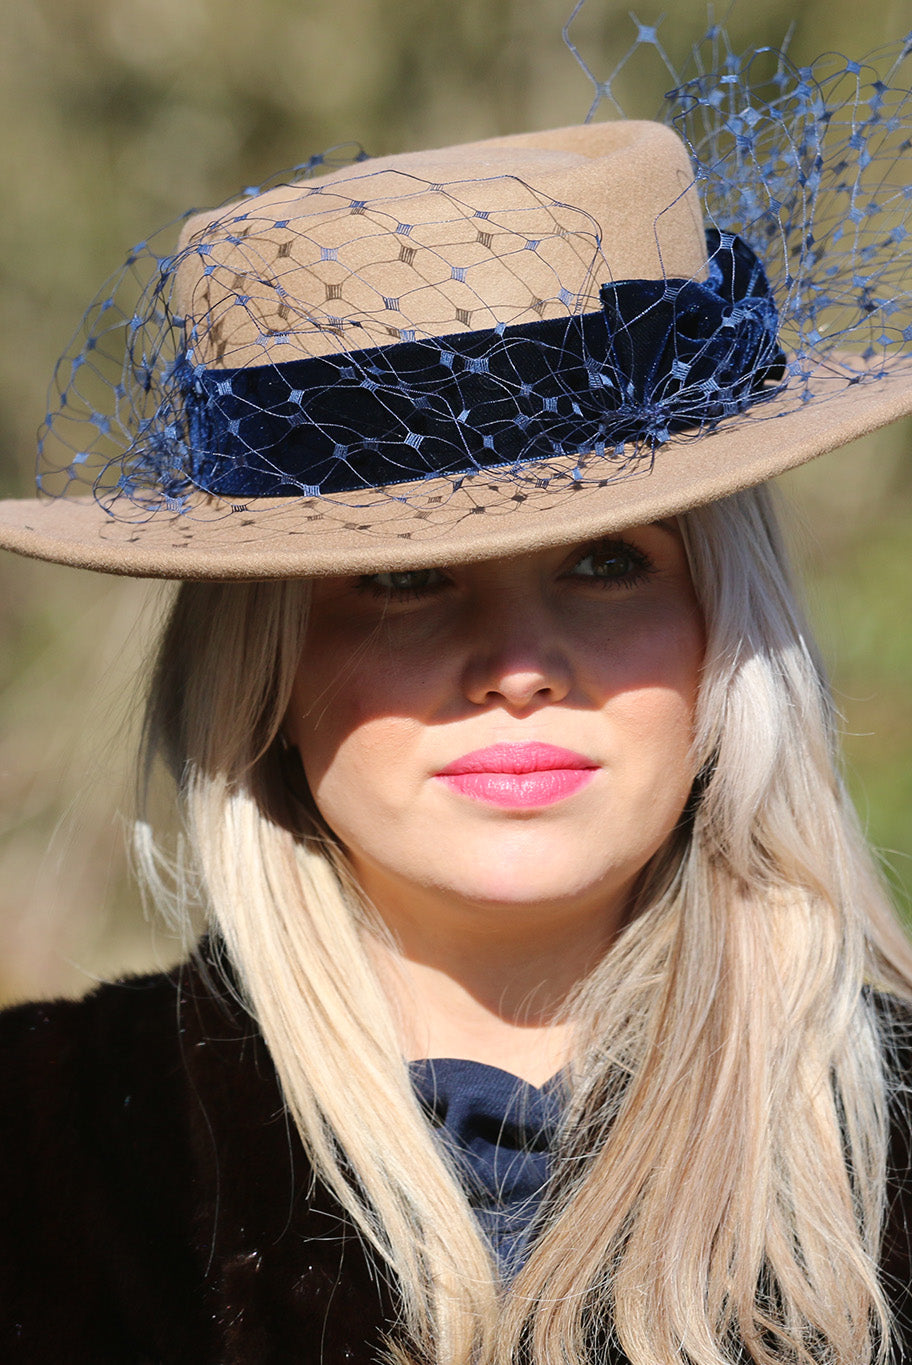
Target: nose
516 657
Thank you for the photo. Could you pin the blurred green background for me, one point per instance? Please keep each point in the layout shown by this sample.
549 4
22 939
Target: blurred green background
119 114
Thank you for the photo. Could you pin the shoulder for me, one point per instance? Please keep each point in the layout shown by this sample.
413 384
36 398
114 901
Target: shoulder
97 1069
96 1173
893 1018
51 1049
121 1041
155 1204
106 1088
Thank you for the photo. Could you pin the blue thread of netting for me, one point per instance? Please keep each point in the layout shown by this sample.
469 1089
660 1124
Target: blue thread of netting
659 357
809 166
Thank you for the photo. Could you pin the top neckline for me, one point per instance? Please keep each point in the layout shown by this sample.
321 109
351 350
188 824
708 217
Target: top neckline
499 1130
468 1067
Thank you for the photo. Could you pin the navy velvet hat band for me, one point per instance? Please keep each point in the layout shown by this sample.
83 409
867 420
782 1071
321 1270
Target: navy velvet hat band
661 356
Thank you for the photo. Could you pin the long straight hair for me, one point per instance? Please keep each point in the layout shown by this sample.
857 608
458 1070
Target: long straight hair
720 1171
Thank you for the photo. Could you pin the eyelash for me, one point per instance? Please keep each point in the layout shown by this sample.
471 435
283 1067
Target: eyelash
641 568
641 565
369 583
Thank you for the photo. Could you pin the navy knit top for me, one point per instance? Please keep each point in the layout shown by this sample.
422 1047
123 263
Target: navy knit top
500 1131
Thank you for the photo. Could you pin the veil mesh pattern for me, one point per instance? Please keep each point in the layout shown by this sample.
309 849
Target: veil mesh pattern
803 174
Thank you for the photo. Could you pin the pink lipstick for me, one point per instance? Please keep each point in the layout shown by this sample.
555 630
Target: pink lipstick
518 776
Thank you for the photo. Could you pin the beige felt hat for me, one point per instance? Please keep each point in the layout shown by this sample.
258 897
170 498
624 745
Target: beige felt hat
446 356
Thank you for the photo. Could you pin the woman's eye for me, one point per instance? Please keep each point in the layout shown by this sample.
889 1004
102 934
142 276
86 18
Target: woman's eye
616 562
402 583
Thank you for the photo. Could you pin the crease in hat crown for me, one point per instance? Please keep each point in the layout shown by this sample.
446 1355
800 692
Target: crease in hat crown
434 243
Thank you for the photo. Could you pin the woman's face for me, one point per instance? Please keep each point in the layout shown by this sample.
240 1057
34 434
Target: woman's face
512 734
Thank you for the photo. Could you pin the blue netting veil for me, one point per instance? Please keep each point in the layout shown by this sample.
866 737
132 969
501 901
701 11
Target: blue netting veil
412 323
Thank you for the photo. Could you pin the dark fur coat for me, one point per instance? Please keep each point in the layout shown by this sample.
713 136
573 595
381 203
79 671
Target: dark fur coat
155 1209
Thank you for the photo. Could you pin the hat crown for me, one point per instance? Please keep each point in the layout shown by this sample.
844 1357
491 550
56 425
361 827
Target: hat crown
503 232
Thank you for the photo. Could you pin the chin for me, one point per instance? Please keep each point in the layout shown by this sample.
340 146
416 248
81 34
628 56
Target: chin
554 887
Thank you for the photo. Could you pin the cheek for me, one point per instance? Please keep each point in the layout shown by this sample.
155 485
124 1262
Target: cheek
363 770
657 724
669 686
653 707
655 668
367 758
351 717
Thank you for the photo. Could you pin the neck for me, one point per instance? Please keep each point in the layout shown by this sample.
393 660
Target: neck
489 983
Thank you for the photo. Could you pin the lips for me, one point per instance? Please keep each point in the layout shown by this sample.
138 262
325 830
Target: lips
518 776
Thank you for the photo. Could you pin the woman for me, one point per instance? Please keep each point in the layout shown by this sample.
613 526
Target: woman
551 1009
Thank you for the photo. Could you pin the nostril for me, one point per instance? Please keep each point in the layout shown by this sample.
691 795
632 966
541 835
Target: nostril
518 687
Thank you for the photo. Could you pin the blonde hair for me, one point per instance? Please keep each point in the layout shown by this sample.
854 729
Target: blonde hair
720 1173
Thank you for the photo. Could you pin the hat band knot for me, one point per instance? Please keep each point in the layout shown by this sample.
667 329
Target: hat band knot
660 356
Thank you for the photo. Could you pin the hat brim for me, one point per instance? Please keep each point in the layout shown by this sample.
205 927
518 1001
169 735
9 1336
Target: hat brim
487 515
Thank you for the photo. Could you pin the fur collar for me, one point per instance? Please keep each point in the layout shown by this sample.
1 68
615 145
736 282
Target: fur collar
157 1209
